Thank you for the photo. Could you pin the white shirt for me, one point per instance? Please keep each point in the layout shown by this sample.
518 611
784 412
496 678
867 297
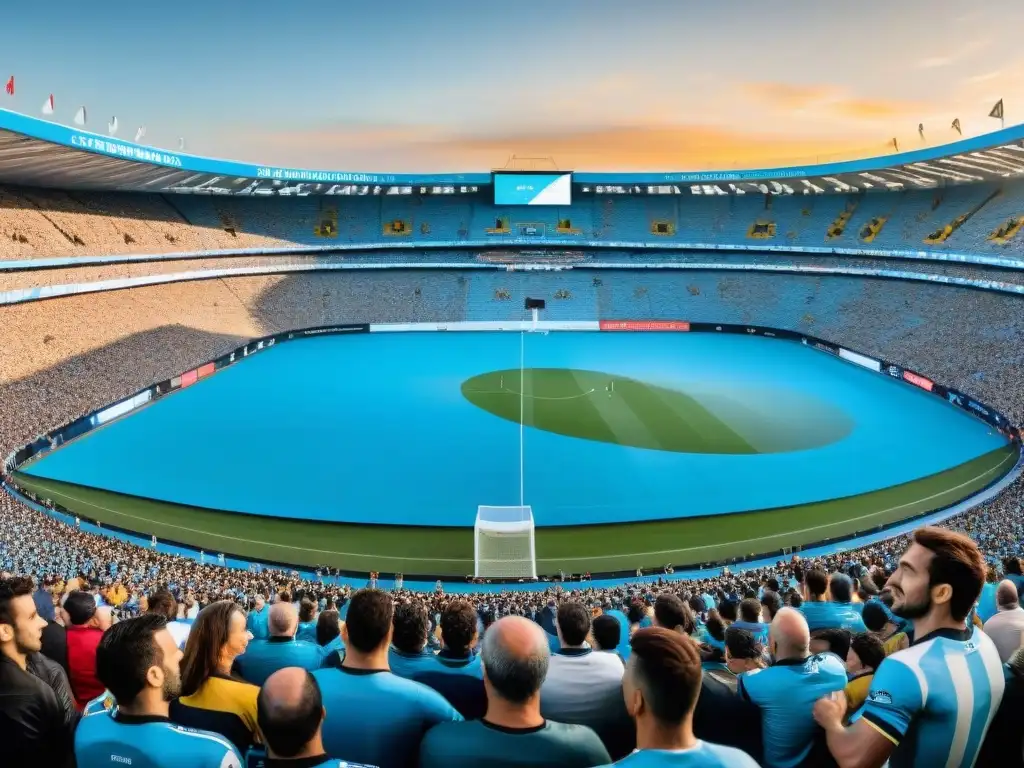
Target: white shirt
179 631
583 687
1005 629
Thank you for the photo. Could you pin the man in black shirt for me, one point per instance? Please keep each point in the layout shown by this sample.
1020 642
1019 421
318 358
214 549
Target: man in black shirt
35 728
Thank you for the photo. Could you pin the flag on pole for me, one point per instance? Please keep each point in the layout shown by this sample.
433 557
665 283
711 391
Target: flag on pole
998 113
895 145
80 116
956 126
181 145
920 130
10 86
140 134
112 126
48 106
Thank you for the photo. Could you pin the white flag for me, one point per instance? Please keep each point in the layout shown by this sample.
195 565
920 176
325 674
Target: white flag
48 106
181 145
140 134
112 126
80 116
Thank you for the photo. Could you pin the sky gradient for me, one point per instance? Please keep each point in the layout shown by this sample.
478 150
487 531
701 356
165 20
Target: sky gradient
458 85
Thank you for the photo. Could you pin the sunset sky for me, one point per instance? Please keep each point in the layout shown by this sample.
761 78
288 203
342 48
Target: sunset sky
460 85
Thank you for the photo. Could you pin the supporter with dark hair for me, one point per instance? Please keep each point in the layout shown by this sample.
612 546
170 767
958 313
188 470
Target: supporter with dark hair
786 691
403 710
865 655
328 631
661 689
831 640
262 658
162 602
919 690
138 662
291 717
743 653
672 613
456 672
513 732
306 631
750 619
878 619
771 603
86 628
583 687
822 613
607 633
409 653
212 698
37 714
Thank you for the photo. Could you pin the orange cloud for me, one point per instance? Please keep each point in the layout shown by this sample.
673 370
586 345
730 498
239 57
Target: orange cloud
828 100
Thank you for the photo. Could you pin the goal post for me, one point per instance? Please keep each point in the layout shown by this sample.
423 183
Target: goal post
503 543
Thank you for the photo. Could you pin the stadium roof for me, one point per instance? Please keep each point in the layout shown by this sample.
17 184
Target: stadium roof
37 152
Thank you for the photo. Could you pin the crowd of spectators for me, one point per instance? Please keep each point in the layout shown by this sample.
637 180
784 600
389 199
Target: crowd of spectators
762 647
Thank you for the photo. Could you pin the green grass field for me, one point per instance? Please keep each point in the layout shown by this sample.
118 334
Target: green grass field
622 411
597 548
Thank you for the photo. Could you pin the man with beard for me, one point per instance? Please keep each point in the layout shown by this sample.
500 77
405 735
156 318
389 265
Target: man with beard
138 662
37 715
930 704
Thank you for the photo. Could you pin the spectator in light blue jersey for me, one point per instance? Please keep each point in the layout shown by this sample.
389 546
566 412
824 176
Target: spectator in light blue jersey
138 661
660 688
750 620
931 704
307 621
787 690
837 613
456 672
291 717
373 716
408 653
328 633
262 658
256 621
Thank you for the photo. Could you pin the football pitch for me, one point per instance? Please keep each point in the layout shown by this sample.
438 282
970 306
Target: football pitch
373 452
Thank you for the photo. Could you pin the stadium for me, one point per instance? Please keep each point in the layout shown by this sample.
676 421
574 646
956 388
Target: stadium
511 374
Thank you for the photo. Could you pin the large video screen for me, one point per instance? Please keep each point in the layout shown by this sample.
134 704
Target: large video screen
533 189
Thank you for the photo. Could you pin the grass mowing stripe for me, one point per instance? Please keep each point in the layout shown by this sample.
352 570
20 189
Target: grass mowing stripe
449 551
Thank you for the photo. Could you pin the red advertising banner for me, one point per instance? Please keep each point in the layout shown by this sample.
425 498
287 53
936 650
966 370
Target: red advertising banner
188 379
926 384
205 370
644 325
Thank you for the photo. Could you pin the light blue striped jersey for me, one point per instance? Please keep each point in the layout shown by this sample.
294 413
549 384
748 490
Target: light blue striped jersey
107 738
936 699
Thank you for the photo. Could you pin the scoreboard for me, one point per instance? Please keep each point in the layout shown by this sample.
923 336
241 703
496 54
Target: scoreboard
525 188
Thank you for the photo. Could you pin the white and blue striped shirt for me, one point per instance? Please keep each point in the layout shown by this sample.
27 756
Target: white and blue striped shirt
936 699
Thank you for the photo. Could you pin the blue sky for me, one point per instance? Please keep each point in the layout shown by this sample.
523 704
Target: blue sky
461 85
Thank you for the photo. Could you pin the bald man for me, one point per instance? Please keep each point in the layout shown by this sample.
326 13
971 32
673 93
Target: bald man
290 712
1006 627
262 658
515 657
786 691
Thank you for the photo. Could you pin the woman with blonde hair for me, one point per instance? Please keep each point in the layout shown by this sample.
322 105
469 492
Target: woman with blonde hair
212 698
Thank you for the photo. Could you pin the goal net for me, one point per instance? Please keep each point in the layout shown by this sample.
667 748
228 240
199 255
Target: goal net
503 543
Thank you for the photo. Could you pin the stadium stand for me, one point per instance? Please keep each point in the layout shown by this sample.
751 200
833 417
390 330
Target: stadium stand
47 224
415 663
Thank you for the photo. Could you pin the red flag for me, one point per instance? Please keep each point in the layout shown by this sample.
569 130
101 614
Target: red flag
10 86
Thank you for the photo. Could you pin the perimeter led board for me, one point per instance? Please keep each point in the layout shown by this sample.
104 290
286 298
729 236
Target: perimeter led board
532 188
